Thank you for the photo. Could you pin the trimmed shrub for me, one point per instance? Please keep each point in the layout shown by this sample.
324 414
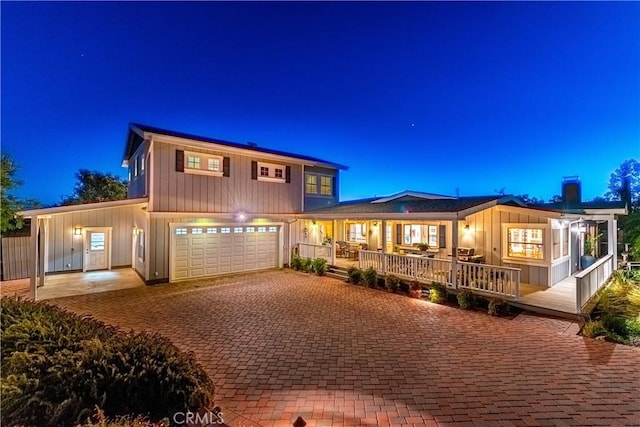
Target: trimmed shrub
498 307
403 287
466 299
415 289
391 282
593 328
370 277
438 293
296 262
355 275
306 265
615 324
319 266
57 367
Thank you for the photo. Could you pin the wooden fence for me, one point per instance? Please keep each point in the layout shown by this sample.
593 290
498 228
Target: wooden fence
15 257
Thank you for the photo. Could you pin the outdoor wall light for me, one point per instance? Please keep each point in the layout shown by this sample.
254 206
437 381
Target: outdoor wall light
77 231
240 216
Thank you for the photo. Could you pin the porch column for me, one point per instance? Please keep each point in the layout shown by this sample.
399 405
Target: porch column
334 245
42 249
454 253
383 224
612 245
33 259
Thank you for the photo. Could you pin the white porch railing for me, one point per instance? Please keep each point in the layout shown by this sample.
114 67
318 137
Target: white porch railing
490 279
308 250
590 280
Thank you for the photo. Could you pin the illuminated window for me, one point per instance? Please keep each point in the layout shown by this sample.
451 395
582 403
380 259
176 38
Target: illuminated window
273 229
196 231
326 189
357 232
225 230
311 184
142 164
237 229
525 243
193 162
250 230
213 164
181 231
97 241
141 244
212 230
262 229
432 241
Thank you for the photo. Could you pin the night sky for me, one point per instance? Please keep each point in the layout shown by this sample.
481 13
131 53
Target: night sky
428 96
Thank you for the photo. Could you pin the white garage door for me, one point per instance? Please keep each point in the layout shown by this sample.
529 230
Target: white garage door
199 251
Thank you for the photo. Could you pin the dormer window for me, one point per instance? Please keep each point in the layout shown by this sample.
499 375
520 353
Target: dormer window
203 163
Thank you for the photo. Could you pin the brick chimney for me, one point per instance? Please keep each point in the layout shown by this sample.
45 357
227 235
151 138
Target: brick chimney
571 192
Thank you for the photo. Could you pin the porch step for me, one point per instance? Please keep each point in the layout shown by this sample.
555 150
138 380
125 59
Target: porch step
337 272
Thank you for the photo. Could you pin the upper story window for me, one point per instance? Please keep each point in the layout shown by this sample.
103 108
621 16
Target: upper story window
135 166
142 162
319 184
269 172
203 163
311 184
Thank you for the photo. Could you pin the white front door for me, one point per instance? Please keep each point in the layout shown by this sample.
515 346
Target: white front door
96 249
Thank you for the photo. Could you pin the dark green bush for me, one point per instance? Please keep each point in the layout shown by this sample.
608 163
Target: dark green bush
355 275
370 277
57 367
403 287
498 307
615 324
391 282
296 262
306 265
438 293
466 299
319 266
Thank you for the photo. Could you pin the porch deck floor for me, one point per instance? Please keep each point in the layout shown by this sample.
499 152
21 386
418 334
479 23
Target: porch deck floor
559 297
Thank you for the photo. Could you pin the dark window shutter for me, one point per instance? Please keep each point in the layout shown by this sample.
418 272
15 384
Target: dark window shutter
179 161
226 166
334 185
254 169
398 234
287 174
443 236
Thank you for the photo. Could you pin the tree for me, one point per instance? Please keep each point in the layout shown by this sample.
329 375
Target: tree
555 199
629 171
93 186
529 200
10 204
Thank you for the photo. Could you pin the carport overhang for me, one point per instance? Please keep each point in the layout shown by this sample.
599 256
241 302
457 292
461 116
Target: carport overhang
38 247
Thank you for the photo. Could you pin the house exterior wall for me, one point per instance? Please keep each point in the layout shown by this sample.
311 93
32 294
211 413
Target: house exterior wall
485 234
141 221
174 191
137 186
65 251
317 200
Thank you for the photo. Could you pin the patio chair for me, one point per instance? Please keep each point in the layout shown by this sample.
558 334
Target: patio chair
341 248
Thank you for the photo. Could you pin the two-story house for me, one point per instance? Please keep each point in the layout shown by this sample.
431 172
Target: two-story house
196 207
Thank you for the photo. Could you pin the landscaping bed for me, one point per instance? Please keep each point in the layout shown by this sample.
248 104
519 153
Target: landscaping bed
616 316
60 368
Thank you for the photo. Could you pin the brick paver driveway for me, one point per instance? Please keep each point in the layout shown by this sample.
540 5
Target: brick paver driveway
281 344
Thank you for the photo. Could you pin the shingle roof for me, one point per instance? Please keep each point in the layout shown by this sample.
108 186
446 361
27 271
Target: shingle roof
151 129
580 207
406 205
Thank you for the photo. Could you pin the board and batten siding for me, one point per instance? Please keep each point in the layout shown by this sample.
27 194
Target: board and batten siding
175 191
137 186
15 257
485 234
65 251
141 220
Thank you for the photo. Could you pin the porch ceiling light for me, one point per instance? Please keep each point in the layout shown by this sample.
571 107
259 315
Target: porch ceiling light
241 216
77 231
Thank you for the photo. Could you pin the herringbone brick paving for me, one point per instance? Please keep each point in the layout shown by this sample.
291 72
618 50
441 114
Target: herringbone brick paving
280 344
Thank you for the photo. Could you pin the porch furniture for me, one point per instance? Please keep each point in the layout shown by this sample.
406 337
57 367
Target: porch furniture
341 248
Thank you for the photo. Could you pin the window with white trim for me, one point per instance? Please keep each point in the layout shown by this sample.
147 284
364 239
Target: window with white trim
181 231
273 229
357 232
225 230
141 244
203 163
525 243
237 229
196 231
262 229
212 230
135 166
142 162
250 229
270 172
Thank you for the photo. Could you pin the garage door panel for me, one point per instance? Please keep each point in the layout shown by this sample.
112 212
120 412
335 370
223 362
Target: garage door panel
201 251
